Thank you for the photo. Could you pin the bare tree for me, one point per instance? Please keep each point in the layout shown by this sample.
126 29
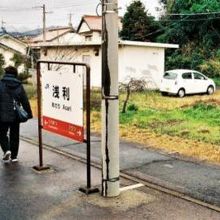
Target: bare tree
133 85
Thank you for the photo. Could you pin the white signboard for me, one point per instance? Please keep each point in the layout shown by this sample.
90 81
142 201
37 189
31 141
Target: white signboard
62 103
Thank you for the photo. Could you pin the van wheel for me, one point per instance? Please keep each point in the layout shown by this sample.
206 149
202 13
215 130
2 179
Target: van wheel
210 90
181 93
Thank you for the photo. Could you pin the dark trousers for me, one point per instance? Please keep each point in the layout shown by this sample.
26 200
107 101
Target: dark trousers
9 138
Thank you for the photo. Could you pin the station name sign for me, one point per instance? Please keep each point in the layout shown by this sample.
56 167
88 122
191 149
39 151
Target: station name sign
62 103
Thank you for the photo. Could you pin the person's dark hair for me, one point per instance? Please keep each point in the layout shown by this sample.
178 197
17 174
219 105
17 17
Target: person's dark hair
11 70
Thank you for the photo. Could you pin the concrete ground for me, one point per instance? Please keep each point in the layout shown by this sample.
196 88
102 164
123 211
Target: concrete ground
196 179
53 195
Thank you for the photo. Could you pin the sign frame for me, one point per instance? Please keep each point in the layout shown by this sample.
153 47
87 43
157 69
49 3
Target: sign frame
60 113
87 190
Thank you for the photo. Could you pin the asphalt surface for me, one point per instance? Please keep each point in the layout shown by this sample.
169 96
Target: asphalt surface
198 180
26 194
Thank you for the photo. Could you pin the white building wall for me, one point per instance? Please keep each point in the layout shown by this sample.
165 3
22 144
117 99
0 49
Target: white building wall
96 36
139 62
71 54
95 64
142 63
58 53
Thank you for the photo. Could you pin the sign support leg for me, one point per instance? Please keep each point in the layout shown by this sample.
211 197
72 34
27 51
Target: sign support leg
40 167
88 189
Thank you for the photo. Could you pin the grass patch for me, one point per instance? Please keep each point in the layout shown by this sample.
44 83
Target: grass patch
199 122
189 126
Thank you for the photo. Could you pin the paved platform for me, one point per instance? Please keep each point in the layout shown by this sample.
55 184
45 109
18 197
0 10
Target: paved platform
198 180
53 195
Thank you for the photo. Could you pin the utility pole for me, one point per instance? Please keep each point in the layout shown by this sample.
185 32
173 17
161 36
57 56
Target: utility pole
70 20
110 103
2 26
3 23
44 20
44 23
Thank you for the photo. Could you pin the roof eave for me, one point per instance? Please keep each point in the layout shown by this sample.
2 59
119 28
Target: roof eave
120 42
148 44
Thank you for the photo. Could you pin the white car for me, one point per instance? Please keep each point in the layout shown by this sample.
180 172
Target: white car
181 82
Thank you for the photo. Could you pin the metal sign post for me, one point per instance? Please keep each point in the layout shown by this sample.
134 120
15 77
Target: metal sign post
61 127
39 167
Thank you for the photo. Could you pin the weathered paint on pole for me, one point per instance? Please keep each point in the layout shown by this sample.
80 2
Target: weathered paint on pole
110 105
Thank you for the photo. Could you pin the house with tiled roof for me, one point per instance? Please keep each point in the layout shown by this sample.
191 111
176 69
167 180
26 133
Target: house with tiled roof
13 43
90 27
9 46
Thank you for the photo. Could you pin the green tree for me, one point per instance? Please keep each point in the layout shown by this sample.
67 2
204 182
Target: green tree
137 25
195 26
168 4
18 59
203 28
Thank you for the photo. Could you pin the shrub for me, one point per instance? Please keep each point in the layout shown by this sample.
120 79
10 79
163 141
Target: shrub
96 100
132 107
211 68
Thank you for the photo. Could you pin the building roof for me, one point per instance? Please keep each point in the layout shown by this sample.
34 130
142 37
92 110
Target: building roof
3 35
52 34
94 22
9 48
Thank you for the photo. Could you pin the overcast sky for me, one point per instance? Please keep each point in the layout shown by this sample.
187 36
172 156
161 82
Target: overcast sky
27 14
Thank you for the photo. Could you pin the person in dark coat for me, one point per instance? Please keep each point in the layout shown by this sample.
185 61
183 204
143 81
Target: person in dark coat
11 89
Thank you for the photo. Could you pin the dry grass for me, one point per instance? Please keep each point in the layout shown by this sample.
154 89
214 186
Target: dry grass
196 149
33 103
189 148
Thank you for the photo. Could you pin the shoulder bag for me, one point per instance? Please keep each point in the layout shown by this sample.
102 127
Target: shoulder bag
21 114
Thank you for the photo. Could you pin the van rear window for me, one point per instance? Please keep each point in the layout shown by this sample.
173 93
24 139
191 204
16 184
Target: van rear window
169 75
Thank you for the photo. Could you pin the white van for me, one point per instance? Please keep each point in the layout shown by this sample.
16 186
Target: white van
181 82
